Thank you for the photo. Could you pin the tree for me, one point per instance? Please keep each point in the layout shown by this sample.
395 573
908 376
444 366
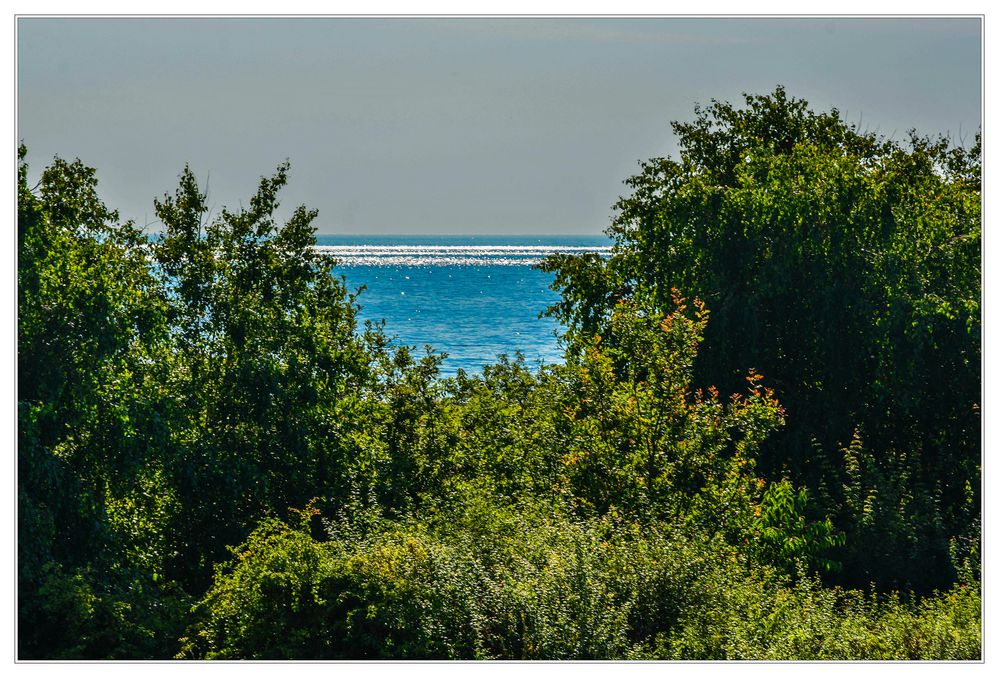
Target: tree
92 346
844 266
172 392
269 371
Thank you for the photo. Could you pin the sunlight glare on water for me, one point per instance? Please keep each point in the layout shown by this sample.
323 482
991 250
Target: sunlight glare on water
487 303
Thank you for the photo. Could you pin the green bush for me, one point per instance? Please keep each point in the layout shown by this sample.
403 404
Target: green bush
528 582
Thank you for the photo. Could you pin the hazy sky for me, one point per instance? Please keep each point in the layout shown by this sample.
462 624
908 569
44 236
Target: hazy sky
451 125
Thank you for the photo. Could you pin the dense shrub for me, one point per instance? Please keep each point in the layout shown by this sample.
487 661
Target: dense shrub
526 582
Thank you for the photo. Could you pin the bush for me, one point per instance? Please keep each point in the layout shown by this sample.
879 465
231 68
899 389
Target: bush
494 581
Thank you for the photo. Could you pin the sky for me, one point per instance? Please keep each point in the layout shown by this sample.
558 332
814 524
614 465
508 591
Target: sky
451 126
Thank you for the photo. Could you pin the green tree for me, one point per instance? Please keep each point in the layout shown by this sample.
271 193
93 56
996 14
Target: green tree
172 392
92 347
844 266
269 371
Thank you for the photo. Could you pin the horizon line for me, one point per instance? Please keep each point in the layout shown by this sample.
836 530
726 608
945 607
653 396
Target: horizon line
466 235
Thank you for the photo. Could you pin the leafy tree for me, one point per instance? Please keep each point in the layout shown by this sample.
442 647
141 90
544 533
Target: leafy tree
92 345
171 394
269 370
844 266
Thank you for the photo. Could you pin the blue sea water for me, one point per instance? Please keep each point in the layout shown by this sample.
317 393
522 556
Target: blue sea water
470 297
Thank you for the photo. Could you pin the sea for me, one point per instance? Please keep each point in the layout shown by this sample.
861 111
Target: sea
471 297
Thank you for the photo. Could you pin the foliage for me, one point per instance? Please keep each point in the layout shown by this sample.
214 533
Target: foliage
784 535
91 351
267 365
178 393
527 581
844 266
746 619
